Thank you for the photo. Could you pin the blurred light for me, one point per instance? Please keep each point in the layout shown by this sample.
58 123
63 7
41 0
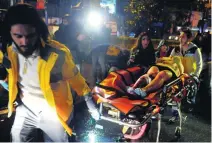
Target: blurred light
94 19
178 28
194 29
97 126
176 38
132 34
206 30
170 37
153 117
109 5
92 137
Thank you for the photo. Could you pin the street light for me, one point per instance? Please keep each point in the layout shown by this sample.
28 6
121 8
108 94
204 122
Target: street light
94 19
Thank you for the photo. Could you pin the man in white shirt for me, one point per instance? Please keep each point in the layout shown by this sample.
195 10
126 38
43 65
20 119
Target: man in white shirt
41 72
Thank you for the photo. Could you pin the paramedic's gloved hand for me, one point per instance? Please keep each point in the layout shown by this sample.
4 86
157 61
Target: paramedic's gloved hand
140 92
92 106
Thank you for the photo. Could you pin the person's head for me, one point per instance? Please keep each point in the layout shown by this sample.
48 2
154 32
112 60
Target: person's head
25 28
185 36
164 48
66 19
143 40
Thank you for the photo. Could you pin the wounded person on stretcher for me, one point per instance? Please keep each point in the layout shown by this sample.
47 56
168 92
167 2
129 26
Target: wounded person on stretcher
165 69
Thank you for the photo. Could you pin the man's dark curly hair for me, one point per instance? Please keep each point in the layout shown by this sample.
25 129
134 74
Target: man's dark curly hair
24 14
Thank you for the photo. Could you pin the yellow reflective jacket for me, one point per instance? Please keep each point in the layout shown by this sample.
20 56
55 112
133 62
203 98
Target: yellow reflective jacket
57 73
191 59
173 63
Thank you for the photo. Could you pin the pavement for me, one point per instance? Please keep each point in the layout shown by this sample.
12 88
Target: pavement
194 129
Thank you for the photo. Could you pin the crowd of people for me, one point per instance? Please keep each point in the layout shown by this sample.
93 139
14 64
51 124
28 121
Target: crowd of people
41 71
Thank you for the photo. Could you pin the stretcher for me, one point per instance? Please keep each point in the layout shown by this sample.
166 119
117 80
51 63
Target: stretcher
135 113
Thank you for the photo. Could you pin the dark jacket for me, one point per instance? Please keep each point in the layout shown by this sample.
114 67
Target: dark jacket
142 57
67 35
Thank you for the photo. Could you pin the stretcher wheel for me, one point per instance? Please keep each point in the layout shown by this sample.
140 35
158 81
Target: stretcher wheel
122 139
178 132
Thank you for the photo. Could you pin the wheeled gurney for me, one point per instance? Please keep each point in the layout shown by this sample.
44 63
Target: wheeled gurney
133 112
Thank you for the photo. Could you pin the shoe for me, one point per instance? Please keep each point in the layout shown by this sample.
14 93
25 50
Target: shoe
130 90
140 92
173 119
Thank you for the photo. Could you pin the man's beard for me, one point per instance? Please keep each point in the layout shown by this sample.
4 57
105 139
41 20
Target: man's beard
29 49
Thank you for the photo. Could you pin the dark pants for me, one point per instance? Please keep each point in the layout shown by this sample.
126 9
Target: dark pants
99 62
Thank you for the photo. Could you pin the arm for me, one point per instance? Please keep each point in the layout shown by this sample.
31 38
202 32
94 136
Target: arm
181 68
69 70
1 57
199 62
72 74
3 73
131 58
77 82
